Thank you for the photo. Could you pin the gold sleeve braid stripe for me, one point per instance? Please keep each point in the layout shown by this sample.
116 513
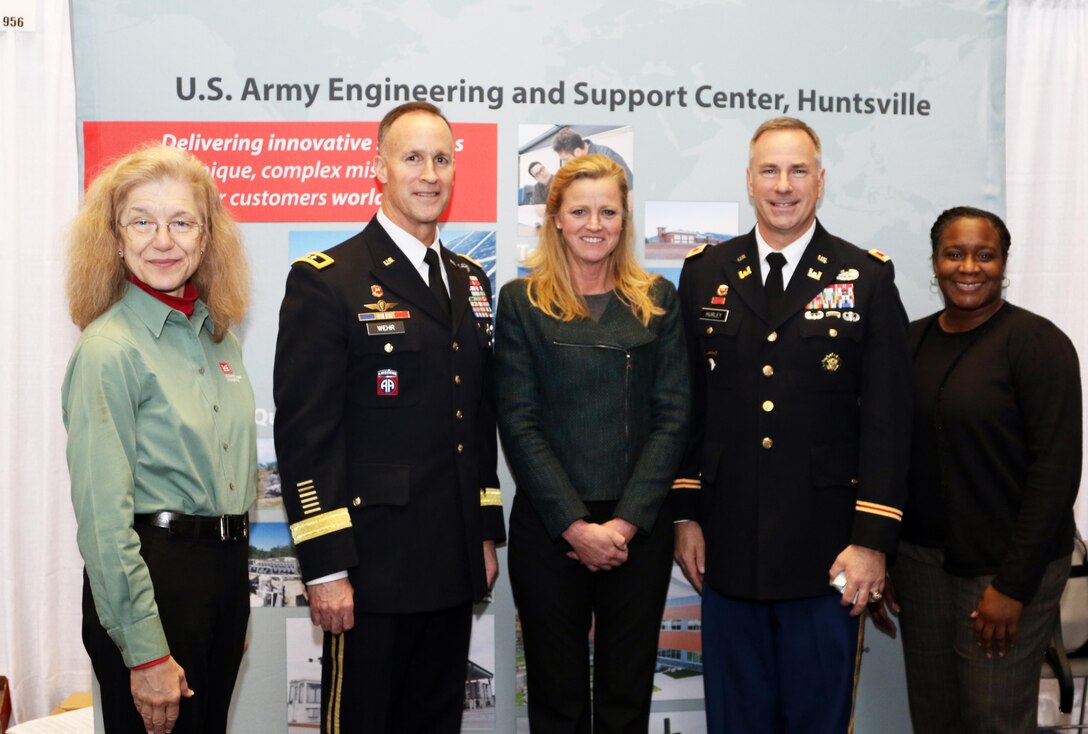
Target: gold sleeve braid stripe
332 716
686 483
323 524
310 501
307 497
882 510
490 497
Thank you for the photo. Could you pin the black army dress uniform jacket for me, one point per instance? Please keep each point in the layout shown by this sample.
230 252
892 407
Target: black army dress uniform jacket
800 423
385 425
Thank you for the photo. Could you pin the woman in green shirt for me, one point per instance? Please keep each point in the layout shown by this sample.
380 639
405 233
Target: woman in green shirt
161 441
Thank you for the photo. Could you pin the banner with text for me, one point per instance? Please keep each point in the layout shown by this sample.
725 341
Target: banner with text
281 101
298 171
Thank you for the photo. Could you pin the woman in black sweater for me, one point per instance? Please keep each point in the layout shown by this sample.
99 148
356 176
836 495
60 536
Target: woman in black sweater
995 467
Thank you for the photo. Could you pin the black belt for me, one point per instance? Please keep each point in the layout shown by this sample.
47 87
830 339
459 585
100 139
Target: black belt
216 527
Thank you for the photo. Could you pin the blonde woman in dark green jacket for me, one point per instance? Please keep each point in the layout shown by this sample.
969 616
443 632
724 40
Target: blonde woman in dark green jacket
593 403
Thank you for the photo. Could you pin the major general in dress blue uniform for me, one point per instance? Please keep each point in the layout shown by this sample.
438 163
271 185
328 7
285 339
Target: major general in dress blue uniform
796 466
385 435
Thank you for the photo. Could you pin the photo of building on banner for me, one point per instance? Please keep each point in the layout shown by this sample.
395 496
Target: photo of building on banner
303 652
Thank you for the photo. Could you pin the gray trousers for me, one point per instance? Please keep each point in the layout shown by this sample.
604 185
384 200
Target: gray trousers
952 686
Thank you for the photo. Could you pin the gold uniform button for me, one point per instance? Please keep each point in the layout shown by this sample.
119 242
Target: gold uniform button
455 346
768 406
460 448
768 370
710 330
832 332
459 415
854 481
773 336
388 347
357 501
457 379
767 442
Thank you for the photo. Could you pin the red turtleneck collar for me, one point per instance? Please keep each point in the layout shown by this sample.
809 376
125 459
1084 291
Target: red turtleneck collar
185 303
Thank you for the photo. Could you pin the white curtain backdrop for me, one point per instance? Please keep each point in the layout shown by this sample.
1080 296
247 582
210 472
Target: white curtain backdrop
40 647
40 568
1046 130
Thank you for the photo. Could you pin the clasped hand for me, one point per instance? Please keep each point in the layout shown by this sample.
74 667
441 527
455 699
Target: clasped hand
599 547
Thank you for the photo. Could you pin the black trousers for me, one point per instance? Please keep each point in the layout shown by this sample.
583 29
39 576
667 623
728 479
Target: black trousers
395 673
559 601
202 593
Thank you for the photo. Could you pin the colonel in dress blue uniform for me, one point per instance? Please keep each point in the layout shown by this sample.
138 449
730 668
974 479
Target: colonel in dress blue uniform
796 466
385 436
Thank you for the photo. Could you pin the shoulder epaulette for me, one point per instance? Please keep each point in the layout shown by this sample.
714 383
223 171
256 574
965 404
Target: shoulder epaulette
466 257
318 260
880 256
695 251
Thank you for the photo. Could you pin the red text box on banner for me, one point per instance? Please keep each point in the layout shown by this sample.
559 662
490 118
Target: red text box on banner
299 171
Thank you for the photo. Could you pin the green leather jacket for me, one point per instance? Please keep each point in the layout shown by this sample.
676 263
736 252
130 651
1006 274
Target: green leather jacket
591 410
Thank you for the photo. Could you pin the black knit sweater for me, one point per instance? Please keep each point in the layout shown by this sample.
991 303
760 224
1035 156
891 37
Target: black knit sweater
996 453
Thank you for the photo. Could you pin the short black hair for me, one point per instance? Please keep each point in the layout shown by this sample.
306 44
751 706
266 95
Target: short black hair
566 141
948 216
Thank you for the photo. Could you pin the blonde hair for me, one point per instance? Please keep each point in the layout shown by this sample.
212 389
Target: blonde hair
96 275
550 287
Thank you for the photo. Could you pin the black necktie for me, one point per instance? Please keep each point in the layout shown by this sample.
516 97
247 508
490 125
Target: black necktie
773 287
434 279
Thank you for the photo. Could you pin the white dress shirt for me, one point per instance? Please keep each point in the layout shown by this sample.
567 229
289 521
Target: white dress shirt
793 252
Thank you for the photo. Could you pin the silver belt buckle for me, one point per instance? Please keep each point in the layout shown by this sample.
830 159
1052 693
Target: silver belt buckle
224 528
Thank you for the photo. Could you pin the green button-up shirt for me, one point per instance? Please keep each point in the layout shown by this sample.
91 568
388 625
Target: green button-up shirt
159 417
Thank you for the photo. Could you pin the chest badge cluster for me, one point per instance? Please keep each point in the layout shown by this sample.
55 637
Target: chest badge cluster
477 298
837 296
382 310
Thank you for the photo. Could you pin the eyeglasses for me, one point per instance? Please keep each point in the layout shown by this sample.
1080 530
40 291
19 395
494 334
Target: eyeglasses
180 230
